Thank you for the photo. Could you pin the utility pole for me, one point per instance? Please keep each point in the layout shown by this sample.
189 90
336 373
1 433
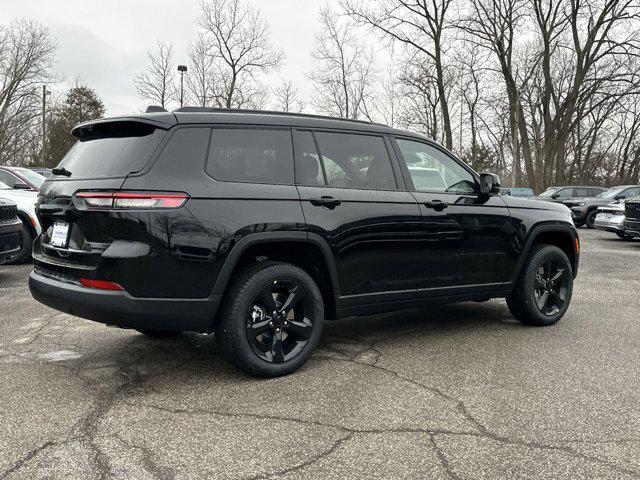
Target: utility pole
182 69
45 92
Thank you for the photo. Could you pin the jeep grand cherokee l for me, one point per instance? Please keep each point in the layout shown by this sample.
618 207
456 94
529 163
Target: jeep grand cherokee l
258 226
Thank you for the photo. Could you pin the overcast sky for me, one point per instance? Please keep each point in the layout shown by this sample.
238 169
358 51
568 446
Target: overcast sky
105 42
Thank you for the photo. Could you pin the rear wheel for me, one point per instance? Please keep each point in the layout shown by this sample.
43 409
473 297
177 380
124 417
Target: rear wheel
25 247
590 219
272 319
543 291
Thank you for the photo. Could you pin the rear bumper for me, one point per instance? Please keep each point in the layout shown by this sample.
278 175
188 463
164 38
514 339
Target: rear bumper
121 309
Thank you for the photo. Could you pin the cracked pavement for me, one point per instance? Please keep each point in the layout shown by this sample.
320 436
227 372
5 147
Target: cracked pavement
460 391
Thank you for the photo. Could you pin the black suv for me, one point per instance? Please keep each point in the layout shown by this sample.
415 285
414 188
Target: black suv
10 228
632 217
258 226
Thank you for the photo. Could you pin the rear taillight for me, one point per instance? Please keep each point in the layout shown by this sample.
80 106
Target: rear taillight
129 200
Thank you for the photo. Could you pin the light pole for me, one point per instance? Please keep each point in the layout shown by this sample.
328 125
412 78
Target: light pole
182 69
45 92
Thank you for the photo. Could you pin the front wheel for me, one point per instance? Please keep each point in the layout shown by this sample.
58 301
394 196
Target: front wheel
590 219
543 291
26 242
272 319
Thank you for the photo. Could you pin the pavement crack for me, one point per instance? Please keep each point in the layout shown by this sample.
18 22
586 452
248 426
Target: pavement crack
307 463
442 458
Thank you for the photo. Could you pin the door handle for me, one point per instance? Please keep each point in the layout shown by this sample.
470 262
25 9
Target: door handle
437 205
326 202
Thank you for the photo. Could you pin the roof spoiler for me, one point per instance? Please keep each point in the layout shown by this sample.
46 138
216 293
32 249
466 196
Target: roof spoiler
155 109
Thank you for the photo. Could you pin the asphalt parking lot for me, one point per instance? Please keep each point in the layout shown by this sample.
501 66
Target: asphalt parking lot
460 391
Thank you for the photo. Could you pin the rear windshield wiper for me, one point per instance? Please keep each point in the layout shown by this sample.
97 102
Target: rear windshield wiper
61 171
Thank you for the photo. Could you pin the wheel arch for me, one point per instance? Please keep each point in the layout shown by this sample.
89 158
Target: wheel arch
562 236
26 220
305 250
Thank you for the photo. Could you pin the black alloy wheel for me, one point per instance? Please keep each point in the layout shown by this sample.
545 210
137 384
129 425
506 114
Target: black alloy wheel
590 219
543 291
272 319
551 286
280 321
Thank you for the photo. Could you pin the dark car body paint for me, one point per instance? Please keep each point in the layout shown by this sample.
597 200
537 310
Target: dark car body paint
384 250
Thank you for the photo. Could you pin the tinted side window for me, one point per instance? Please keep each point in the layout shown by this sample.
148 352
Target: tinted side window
565 193
356 161
596 191
580 192
308 168
251 155
187 148
432 170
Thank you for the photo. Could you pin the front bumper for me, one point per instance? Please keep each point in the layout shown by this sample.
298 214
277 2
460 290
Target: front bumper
578 214
120 309
10 238
632 227
610 223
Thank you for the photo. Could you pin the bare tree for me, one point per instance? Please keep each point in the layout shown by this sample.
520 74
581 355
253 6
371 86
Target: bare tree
238 42
158 82
345 76
287 98
26 56
201 78
420 26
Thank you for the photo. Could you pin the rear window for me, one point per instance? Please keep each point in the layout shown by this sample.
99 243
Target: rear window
251 155
112 149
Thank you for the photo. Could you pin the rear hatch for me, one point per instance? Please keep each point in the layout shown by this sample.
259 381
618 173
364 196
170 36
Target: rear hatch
73 207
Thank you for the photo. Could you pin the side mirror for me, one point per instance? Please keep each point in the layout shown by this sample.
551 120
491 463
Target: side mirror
555 195
619 197
21 186
489 183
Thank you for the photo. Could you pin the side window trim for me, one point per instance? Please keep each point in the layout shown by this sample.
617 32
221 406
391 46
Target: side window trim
320 158
405 168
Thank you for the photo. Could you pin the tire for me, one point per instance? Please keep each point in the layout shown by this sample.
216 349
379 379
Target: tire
524 302
245 312
26 243
624 236
160 334
578 224
590 219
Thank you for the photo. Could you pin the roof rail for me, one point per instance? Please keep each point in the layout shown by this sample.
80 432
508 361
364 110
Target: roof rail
267 112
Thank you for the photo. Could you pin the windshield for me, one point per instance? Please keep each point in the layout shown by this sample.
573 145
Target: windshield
32 177
549 191
612 192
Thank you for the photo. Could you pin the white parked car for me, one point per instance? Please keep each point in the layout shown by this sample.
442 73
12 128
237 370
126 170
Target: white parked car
611 219
26 202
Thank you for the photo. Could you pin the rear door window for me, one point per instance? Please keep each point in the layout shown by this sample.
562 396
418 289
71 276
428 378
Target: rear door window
580 192
112 149
355 161
251 155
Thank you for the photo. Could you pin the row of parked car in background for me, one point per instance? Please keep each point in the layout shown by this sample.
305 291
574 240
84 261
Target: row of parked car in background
19 224
615 209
